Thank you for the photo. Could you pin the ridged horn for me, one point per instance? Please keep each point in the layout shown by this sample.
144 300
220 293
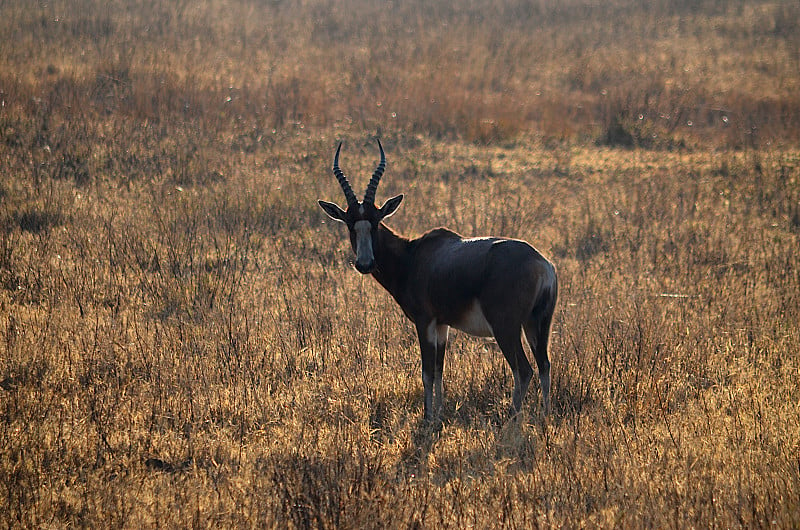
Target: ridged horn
348 191
372 187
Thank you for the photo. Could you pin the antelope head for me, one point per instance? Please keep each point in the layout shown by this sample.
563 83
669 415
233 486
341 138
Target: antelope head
362 217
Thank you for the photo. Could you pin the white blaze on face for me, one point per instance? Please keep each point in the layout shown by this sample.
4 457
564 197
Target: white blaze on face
364 254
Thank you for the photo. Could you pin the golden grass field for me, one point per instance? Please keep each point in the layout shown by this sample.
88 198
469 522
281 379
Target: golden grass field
184 343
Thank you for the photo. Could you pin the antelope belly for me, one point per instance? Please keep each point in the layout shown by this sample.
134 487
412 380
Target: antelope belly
474 322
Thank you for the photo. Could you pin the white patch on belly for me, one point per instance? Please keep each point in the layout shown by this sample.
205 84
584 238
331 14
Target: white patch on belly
474 322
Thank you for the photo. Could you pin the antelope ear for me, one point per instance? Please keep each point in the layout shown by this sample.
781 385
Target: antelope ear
333 211
390 206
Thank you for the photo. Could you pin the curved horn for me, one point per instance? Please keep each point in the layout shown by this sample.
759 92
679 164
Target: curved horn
369 196
348 191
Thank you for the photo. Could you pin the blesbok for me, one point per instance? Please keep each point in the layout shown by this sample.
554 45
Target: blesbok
484 286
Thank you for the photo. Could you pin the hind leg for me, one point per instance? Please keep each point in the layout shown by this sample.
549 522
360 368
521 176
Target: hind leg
537 332
438 368
510 343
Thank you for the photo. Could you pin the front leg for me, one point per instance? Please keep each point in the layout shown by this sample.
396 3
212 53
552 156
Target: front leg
432 344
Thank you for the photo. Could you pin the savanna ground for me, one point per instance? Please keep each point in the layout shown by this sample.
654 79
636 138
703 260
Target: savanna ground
184 342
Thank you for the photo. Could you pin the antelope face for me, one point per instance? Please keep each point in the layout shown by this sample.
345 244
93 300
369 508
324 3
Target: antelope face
362 220
362 217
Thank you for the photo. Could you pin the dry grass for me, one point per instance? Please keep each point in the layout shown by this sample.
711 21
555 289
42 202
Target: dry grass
183 342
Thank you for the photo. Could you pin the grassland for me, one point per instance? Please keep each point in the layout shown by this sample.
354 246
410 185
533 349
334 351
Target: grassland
184 343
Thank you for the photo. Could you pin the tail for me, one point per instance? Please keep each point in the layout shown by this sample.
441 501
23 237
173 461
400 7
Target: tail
546 297
537 329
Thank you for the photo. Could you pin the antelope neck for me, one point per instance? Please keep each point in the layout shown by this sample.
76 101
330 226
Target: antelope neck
390 251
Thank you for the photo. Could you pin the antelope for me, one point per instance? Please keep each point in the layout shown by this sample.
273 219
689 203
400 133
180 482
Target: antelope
484 286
